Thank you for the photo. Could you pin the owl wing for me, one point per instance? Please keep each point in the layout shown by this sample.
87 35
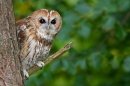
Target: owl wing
21 31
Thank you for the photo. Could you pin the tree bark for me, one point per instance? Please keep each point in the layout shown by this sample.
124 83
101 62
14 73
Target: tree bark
10 66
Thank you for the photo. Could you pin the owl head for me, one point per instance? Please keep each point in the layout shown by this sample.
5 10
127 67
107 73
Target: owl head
47 22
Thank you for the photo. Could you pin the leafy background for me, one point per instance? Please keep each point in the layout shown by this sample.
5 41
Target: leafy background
100 55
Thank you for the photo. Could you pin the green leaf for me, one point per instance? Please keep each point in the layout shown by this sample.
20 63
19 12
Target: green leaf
95 60
54 65
115 63
71 2
83 8
126 64
124 5
65 64
96 14
109 22
83 64
84 31
120 32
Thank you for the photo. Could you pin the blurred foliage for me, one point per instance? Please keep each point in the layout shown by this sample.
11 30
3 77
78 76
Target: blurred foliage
100 55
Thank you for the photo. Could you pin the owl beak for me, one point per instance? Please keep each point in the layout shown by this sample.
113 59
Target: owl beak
48 27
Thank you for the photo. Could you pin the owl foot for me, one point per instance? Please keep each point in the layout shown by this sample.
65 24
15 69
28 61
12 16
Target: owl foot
25 73
40 64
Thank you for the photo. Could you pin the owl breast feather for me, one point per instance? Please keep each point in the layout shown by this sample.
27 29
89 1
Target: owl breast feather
34 50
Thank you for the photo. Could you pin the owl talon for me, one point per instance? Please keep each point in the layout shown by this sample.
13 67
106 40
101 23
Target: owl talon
40 64
25 73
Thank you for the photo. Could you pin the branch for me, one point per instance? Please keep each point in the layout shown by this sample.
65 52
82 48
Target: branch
51 58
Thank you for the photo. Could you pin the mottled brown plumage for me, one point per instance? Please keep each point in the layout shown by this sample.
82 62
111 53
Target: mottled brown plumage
35 36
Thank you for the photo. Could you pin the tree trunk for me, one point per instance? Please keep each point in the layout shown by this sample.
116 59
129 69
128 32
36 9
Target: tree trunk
10 66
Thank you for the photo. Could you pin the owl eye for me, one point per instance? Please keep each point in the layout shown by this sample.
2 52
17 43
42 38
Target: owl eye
42 21
53 21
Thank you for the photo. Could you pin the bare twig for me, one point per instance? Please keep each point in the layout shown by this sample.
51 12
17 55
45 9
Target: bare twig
51 58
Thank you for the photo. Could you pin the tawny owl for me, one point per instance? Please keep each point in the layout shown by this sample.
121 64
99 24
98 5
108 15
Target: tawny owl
35 36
